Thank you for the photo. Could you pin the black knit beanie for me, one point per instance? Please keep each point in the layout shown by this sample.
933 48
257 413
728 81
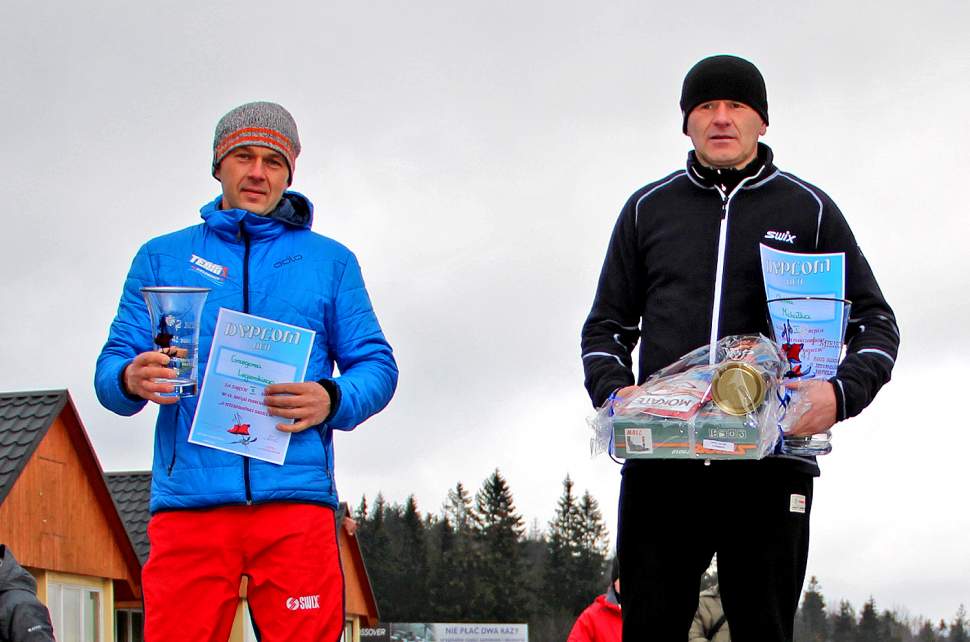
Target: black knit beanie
724 78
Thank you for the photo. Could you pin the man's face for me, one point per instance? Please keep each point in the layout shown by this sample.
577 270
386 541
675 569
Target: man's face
253 179
725 133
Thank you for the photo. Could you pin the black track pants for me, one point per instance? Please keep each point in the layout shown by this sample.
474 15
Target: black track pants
675 515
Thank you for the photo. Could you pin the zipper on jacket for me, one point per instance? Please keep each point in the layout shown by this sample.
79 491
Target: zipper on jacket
326 459
245 240
171 463
719 274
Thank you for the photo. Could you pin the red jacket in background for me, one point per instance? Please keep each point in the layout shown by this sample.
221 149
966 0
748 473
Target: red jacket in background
600 622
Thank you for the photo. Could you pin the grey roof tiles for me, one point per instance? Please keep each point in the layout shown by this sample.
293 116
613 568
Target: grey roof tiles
24 420
131 491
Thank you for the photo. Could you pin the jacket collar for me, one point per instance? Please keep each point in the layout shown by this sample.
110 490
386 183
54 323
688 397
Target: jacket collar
294 211
611 595
607 603
761 169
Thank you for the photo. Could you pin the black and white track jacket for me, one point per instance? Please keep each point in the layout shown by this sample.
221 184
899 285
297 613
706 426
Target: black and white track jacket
683 267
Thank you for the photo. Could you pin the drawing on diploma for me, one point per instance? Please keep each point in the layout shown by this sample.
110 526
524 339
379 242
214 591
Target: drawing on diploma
239 428
793 352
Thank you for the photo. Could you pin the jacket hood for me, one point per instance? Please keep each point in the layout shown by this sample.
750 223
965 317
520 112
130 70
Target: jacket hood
606 603
294 210
611 595
12 575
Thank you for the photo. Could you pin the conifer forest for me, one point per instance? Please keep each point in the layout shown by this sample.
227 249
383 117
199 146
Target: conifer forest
477 560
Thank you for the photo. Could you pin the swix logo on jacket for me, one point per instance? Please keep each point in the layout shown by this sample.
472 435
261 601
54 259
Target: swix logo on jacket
213 271
304 603
784 237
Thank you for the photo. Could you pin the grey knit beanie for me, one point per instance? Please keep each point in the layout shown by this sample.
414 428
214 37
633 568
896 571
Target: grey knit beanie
260 123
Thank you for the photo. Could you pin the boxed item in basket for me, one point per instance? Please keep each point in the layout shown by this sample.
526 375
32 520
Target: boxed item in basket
699 407
711 435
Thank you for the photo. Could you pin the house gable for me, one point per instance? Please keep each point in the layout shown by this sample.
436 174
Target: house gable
358 591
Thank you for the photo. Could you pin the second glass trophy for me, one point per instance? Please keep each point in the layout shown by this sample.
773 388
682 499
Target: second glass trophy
810 331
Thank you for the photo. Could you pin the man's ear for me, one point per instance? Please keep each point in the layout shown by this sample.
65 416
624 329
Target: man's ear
764 128
215 172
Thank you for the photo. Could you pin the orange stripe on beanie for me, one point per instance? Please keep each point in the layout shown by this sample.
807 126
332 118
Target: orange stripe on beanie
260 123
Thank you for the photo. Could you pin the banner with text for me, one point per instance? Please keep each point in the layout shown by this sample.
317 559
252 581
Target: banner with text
445 632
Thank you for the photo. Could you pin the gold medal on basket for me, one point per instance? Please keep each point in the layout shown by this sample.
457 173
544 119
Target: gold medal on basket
738 388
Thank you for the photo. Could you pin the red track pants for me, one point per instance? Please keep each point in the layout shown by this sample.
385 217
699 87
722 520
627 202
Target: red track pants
288 551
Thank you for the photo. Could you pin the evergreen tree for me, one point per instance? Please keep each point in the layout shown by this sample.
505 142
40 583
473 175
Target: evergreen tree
377 513
869 629
503 594
452 576
441 541
843 624
458 583
534 562
360 515
376 547
926 633
958 629
535 533
593 548
413 561
563 549
891 630
812 620
458 508
577 549
388 560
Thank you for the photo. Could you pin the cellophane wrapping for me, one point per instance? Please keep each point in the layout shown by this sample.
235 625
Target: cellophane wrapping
688 410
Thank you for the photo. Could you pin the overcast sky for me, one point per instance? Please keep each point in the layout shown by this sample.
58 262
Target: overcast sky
475 155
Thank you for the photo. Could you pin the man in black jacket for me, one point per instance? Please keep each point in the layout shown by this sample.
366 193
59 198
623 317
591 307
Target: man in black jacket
22 617
683 268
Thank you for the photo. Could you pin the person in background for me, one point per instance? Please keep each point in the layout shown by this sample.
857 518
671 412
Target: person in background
23 618
602 621
710 623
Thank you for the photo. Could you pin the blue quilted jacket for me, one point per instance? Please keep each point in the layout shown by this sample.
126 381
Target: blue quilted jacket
275 267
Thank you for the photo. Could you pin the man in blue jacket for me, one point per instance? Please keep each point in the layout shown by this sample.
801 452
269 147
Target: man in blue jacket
217 516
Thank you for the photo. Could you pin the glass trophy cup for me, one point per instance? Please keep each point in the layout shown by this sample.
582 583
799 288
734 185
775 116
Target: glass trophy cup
176 314
810 331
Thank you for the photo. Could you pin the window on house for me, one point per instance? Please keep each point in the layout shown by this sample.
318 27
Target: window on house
129 625
75 612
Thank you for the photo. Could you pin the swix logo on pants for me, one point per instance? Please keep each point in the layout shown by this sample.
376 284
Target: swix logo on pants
304 603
